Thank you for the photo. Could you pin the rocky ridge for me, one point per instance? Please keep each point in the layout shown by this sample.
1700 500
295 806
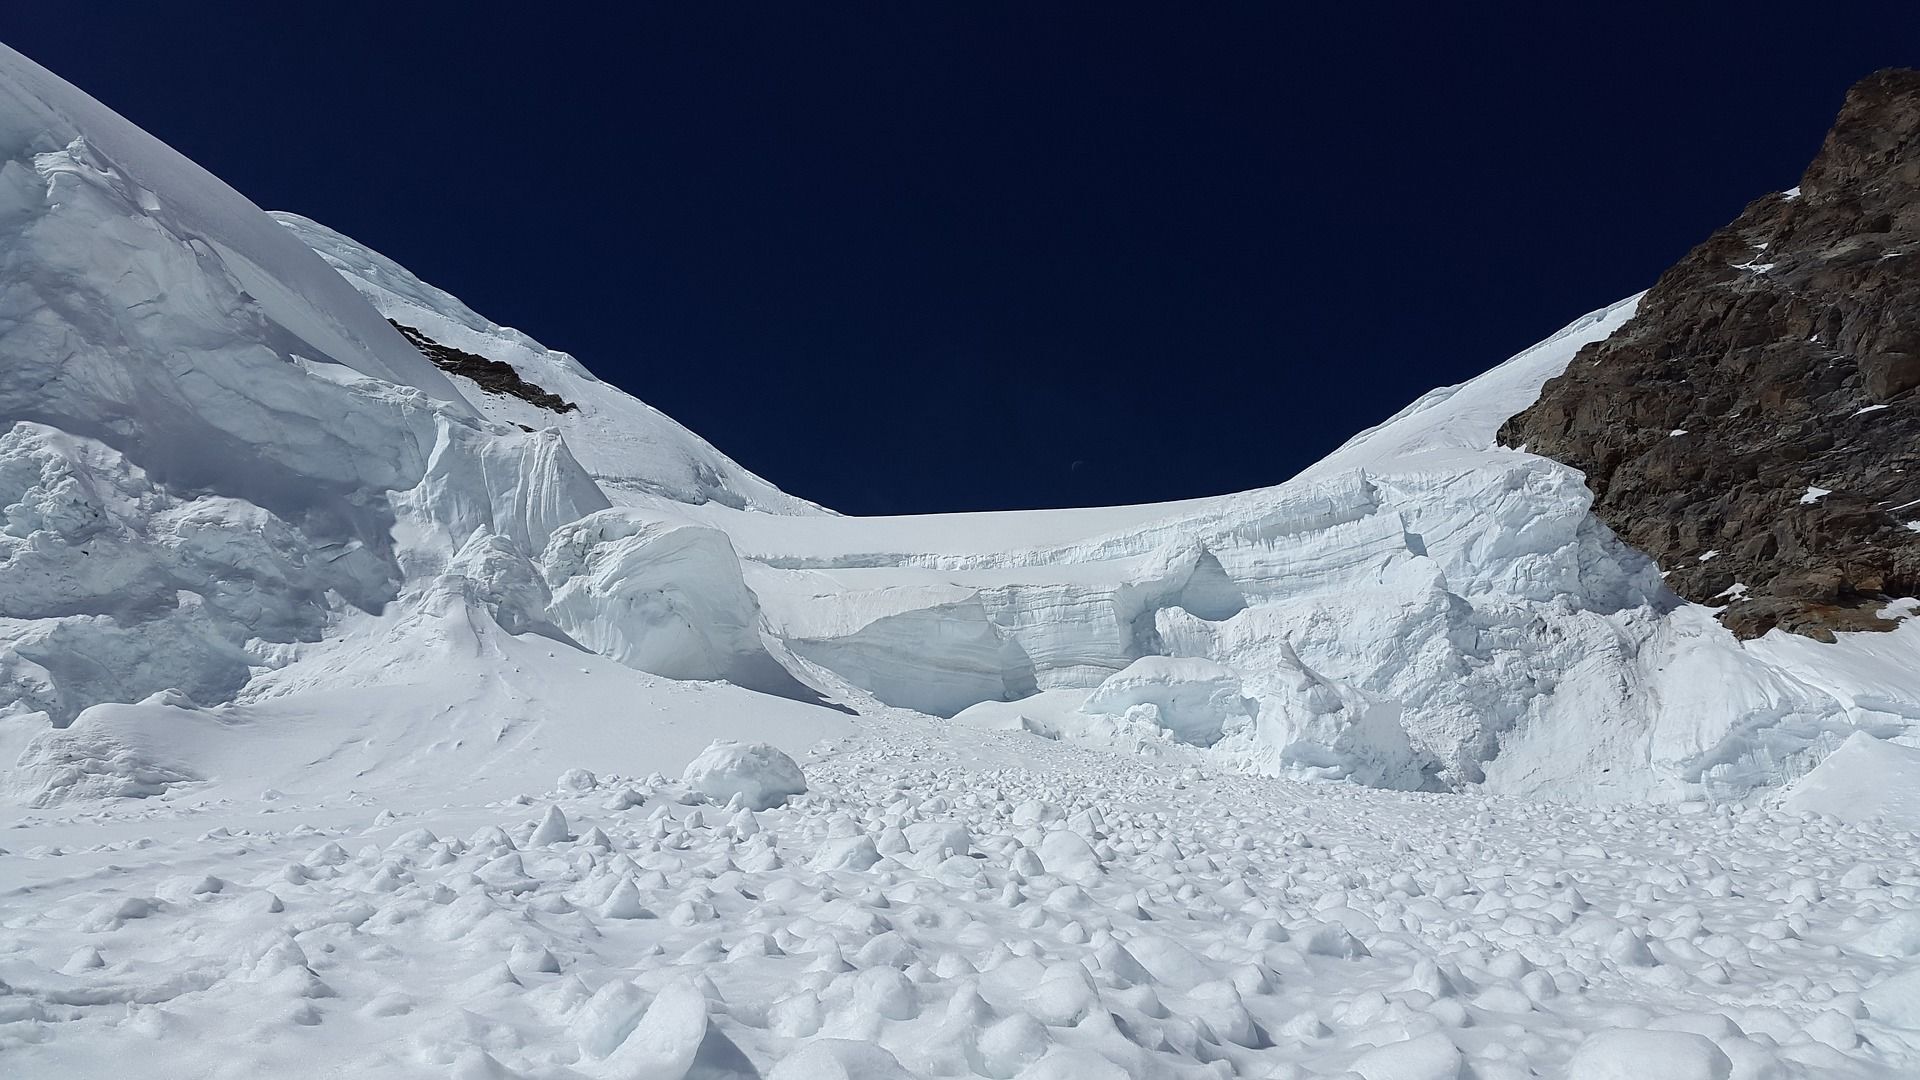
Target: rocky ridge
492 376
1756 426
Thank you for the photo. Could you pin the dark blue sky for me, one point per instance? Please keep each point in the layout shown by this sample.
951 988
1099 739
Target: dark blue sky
903 257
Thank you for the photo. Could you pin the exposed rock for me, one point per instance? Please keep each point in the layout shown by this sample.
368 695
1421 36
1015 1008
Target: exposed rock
1756 426
493 376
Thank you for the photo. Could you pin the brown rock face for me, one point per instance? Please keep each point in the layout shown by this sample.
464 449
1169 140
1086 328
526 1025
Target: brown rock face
493 376
1778 360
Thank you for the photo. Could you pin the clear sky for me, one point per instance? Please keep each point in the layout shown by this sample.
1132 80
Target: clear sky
903 257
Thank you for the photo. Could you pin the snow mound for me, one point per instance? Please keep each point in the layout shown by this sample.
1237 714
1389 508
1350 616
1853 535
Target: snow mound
109 751
1865 778
1895 1001
759 774
1635 1055
663 596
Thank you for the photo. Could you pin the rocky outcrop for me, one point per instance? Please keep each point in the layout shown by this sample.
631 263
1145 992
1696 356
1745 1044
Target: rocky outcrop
1756 426
493 376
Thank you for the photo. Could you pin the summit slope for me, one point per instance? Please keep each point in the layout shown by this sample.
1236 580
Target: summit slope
632 449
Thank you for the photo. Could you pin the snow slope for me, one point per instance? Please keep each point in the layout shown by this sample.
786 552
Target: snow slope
83 186
630 448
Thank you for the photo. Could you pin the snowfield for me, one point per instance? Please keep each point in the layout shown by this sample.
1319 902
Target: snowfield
988 906
1404 769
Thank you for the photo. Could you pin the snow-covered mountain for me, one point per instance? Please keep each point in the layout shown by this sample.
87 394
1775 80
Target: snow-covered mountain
231 479
301 554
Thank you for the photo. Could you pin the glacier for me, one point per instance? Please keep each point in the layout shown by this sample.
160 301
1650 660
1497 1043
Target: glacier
227 464
342 702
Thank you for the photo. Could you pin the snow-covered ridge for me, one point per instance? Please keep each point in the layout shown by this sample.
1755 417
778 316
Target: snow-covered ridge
633 450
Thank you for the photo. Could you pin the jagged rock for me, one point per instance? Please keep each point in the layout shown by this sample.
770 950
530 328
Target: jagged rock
493 376
1756 426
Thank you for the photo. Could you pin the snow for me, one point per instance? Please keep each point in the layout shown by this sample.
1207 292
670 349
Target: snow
1197 700
632 449
1814 495
758 774
1895 1001
1622 1054
1163 916
340 722
1866 778
86 189
1479 623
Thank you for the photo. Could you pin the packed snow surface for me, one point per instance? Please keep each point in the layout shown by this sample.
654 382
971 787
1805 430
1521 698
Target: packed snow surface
942 904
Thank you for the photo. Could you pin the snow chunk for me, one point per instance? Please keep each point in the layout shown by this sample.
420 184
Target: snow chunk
1898 936
551 830
1895 1002
1313 728
1066 854
1814 495
667 1038
1429 1057
840 1059
663 596
1865 778
759 772
1197 700
938 835
605 1020
1620 1054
